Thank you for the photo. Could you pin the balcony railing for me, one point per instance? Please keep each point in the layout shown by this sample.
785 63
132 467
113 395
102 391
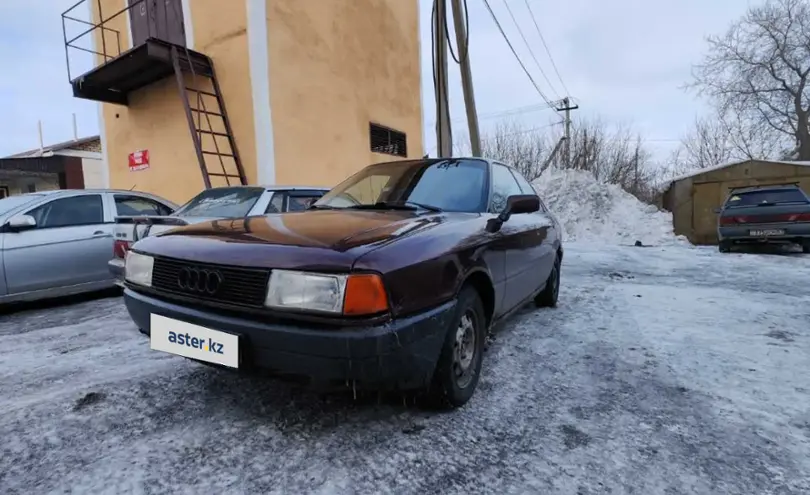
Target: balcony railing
106 39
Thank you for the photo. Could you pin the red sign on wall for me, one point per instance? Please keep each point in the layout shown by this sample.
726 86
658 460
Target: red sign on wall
138 160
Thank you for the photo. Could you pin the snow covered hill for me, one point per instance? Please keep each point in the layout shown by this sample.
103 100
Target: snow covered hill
591 211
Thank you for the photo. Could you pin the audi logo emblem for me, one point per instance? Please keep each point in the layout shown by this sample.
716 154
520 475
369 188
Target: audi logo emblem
199 280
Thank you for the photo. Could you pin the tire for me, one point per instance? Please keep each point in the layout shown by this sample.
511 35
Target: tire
724 247
548 297
806 247
449 389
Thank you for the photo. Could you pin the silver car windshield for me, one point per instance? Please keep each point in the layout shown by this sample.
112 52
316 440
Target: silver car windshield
223 202
12 202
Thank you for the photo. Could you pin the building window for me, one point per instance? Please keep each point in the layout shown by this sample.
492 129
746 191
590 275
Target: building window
388 141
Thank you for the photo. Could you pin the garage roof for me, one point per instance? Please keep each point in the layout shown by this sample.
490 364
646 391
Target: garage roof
702 171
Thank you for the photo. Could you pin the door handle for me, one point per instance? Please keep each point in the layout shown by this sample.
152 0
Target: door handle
98 232
101 233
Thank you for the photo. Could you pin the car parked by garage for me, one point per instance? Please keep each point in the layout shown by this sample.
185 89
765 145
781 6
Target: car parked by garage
773 214
392 279
58 243
211 204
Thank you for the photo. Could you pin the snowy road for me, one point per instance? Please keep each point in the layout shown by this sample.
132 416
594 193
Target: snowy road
664 370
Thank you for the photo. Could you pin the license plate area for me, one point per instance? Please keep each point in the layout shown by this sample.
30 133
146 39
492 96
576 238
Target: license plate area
193 341
766 232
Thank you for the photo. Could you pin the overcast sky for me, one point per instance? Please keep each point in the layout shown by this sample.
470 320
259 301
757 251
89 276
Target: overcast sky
623 60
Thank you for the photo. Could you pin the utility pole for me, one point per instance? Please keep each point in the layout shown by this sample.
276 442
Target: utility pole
444 137
567 108
462 41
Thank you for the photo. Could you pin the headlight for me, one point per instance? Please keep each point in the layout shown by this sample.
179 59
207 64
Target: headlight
138 268
351 295
306 291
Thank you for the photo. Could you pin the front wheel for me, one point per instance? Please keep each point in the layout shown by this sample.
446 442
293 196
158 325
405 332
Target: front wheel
548 297
459 366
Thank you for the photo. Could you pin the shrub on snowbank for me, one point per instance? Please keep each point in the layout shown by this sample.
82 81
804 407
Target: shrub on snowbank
591 211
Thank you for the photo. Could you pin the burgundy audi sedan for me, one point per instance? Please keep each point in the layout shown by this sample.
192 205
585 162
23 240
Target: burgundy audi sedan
391 280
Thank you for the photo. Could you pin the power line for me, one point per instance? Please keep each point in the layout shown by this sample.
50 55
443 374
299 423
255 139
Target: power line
531 52
537 107
512 48
537 26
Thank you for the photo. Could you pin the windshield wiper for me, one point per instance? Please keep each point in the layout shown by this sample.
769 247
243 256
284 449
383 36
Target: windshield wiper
394 205
322 207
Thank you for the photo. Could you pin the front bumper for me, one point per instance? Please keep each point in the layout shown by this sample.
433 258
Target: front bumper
116 267
400 354
793 232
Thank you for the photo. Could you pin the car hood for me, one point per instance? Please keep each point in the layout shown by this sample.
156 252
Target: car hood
314 239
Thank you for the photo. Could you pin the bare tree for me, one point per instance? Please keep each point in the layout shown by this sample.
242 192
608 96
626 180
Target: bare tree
758 72
524 148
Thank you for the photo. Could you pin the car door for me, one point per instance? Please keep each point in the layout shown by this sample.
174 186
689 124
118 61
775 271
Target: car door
70 245
512 238
543 234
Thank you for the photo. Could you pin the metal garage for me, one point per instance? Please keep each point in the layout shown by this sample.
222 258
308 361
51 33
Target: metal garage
693 198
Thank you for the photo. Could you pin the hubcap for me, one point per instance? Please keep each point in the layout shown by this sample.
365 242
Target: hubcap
464 349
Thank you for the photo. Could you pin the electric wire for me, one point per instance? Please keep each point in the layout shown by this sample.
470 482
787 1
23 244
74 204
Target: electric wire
512 48
548 52
531 52
458 58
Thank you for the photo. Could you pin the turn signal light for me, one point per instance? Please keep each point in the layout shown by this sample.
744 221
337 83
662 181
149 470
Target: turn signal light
365 295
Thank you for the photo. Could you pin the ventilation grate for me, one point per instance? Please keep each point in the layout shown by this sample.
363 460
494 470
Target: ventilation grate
388 141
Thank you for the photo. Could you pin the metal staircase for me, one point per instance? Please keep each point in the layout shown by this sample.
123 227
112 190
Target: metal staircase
211 138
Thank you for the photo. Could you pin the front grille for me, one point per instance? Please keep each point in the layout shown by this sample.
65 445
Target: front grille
236 285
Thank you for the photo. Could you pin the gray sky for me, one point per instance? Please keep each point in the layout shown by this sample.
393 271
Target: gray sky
622 60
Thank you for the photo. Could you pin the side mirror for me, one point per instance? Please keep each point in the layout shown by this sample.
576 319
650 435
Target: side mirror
21 222
522 203
515 204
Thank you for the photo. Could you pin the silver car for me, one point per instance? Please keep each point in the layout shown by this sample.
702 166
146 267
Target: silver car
211 204
58 243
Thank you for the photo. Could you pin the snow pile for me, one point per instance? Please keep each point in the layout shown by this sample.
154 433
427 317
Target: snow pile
592 211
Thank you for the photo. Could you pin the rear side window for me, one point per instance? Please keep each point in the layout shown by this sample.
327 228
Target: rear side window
135 205
297 201
766 197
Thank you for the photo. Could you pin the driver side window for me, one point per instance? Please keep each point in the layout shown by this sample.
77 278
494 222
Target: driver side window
70 212
503 186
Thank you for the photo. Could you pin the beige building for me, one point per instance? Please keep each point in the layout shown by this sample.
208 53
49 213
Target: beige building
298 91
693 198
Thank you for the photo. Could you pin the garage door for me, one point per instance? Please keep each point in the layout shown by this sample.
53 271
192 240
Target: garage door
705 198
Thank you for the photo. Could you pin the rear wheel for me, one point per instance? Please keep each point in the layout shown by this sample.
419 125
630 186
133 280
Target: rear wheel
724 247
548 297
806 247
459 366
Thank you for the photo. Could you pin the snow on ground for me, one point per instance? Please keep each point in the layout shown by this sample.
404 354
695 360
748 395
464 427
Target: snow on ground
663 370
605 213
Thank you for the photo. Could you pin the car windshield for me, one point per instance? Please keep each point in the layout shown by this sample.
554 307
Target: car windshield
766 197
446 185
224 202
12 202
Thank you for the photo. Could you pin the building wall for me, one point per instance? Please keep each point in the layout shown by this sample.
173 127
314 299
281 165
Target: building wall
335 66
693 200
155 120
302 106
93 172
